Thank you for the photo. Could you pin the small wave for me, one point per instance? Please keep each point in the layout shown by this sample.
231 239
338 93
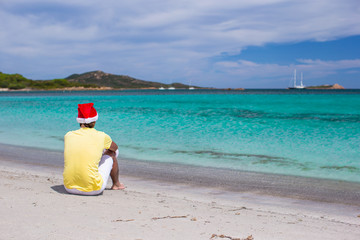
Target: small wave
57 138
222 154
348 168
282 163
354 118
255 158
140 148
230 112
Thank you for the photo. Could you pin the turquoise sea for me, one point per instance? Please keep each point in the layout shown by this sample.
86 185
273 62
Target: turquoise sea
311 133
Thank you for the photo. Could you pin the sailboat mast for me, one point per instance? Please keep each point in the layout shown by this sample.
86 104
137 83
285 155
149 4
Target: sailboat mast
301 86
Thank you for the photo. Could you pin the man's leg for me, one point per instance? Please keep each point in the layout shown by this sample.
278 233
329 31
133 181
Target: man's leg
114 173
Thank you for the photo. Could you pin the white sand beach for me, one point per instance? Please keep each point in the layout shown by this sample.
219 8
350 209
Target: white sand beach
34 205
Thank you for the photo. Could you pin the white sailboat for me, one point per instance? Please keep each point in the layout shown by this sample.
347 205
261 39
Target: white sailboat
190 87
301 86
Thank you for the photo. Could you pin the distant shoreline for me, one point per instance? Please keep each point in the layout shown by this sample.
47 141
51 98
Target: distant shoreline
80 89
97 89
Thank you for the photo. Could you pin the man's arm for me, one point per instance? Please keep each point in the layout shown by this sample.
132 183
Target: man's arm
111 150
113 147
114 174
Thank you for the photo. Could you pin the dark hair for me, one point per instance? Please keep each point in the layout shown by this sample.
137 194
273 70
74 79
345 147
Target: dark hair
88 125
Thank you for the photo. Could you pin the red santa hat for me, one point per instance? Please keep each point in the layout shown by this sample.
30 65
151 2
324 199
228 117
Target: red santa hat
86 113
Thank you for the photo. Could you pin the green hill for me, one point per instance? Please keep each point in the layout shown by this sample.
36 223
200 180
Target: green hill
117 81
13 81
18 82
95 79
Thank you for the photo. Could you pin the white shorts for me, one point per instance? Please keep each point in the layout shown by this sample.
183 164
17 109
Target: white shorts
105 166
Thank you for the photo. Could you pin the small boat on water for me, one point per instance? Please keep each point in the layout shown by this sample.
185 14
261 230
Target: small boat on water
294 86
171 88
161 88
191 87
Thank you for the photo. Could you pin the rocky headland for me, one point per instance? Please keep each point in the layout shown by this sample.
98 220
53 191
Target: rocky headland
335 86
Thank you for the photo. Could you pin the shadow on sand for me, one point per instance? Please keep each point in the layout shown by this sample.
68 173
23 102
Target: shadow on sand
59 189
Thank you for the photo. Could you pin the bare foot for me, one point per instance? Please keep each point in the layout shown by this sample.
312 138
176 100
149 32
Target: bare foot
118 186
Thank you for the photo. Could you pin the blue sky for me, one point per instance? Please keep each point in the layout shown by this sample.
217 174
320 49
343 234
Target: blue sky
229 43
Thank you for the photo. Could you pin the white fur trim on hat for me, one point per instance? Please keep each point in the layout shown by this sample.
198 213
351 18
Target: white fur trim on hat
87 120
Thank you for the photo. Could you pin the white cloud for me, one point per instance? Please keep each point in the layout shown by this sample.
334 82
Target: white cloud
341 64
278 75
160 40
246 69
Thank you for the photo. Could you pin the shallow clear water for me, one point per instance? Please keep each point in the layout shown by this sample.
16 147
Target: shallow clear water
304 133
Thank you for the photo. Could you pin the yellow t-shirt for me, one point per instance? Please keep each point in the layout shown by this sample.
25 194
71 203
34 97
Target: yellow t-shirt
83 149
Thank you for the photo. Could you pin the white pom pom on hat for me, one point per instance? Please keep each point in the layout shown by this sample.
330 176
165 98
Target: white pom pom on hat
86 113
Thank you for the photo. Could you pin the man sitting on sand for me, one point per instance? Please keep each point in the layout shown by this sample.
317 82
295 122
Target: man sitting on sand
89 156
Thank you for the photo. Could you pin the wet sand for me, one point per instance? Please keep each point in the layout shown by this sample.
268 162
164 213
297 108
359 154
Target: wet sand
168 201
323 190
